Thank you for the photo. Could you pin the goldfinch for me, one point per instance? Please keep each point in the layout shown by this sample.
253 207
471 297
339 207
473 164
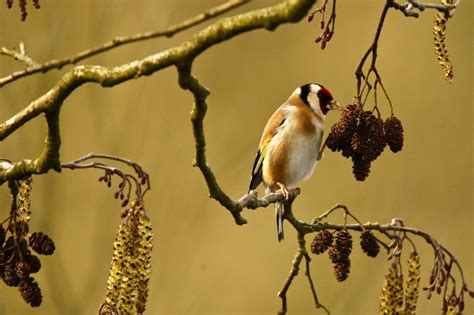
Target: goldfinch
290 145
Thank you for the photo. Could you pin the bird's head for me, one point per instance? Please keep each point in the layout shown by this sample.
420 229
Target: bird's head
318 98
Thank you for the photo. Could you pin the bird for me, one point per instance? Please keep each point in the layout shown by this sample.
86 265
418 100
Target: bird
290 145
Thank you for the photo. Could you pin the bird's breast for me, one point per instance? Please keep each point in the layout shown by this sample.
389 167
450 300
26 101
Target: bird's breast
293 151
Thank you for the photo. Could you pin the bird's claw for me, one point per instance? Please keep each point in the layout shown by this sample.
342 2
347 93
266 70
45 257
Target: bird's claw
286 193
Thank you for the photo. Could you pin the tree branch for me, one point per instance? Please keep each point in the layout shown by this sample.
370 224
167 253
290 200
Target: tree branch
34 67
289 11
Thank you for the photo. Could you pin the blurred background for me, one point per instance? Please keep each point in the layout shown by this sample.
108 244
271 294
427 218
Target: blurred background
202 262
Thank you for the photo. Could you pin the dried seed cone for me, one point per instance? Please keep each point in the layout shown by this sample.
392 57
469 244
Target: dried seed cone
339 254
391 299
412 284
343 243
9 274
34 264
339 138
42 243
31 292
22 269
394 133
341 264
369 244
360 167
321 242
376 140
131 263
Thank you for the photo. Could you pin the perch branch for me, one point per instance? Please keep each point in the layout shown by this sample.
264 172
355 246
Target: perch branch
34 67
290 11
408 7
300 253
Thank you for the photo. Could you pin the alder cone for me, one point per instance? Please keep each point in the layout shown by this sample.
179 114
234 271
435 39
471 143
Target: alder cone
360 167
339 138
394 133
321 242
369 244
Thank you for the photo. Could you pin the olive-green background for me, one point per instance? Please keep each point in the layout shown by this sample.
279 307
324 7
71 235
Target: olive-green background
202 262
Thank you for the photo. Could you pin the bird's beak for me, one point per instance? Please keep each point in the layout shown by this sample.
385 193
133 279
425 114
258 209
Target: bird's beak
336 106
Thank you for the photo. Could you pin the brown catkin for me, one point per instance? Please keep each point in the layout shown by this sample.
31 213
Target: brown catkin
394 133
30 291
339 254
42 243
321 242
339 138
360 167
369 244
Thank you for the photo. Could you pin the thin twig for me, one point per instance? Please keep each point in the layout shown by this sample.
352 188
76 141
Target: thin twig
141 180
34 67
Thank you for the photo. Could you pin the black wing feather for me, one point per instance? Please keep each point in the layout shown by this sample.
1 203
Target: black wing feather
256 178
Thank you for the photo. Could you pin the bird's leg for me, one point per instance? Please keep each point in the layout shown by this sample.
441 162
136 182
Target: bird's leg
284 190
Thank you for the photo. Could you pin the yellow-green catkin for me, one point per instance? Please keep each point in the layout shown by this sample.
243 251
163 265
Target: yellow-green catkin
127 286
23 200
391 299
439 32
412 284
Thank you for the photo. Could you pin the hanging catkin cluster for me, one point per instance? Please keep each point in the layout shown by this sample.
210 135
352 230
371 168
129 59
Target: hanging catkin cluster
439 32
362 136
127 286
17 262
394 299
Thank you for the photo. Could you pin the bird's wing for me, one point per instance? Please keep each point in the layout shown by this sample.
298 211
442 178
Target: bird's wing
277 119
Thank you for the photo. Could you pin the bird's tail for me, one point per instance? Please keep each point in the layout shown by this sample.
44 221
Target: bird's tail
279 208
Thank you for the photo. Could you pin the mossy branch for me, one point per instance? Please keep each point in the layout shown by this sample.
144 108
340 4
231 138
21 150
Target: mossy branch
35 67
289 11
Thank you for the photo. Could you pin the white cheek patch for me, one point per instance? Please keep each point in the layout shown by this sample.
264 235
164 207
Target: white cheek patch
314 103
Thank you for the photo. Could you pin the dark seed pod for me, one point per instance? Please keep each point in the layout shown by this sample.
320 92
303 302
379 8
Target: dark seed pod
42 243
342 269
343 243
376 138
9 275
22 269
31 292
394 133
339 254
321 242
360 167
369 244
34 263
341 263
341 133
